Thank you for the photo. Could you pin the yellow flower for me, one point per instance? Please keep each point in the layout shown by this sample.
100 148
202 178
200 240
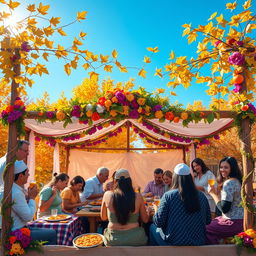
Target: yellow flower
184 115
17 249
113 113
130 97
89 113
140 109
141 101
126 110
159 114
147 108
251 233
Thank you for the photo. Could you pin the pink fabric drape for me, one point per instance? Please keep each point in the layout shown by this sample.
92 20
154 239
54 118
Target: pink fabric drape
140 166
31 157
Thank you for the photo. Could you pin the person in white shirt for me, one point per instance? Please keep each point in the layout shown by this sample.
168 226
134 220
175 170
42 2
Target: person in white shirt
23 209
94 186
21 154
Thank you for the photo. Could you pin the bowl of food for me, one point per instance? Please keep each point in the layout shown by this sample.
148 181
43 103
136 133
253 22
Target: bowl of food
88 240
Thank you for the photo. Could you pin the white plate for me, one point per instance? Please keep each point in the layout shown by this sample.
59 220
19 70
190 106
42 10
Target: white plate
46 218
85 247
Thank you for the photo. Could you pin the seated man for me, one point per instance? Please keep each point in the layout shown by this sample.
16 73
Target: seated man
23 210
156 186
94 186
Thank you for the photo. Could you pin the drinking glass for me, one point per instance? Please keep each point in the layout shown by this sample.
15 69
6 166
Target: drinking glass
32 183
211 182
54 212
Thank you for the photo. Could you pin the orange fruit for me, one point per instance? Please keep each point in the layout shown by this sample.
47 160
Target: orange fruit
176 119
238 79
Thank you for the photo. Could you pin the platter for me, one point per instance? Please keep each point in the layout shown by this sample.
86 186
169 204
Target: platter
95 203
88 240
59 217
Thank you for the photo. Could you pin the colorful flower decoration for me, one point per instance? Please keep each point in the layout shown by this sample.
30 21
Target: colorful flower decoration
246 239
14 114
20 241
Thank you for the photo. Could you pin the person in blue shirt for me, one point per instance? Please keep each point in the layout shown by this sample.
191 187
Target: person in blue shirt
183 213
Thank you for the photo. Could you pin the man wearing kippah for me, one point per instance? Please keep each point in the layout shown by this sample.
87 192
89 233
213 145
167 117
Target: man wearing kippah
23 210
21 154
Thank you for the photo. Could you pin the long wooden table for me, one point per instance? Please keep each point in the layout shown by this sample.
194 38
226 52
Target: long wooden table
93 218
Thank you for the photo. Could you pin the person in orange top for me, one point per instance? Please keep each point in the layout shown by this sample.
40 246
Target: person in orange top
70 195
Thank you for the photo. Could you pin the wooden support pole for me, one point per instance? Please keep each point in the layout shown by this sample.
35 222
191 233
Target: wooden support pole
184 154
9 174
128 135
67 159
248 165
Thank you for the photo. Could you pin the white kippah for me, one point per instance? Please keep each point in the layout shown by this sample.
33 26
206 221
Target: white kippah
19 167
182 169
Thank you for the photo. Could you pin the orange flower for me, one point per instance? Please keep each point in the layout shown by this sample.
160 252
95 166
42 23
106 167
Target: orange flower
169 115
89 113
129 97
19 102
184 115
40 113
113 113
60 115
176 119
114 99
126 110
95 116
25 231
202 114
159 114
141 101
238 79
244 107
12 239
108 103
9 109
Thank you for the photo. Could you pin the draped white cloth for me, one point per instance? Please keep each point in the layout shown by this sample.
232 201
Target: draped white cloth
140 166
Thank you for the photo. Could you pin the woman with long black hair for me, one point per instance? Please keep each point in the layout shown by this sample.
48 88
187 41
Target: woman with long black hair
183 213
228 200
123 208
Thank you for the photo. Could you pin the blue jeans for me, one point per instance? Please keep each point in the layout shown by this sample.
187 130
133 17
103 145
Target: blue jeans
44 234
155 237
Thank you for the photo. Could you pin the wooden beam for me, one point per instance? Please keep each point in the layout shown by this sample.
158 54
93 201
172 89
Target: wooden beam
125 149
128 135
11 154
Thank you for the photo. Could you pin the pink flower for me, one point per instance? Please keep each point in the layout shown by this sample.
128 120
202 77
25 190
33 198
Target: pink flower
236 59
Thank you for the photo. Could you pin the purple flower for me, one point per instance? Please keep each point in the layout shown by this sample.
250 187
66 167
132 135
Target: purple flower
25 241
248 241
134 104
13 116
236 59
136 130
50 114
75 113
134 114
237 88
99 127
157 108
76 107
119 129
252 107
240 43
216 137
217 43
112 122
3 114
25 47
120 97
37 138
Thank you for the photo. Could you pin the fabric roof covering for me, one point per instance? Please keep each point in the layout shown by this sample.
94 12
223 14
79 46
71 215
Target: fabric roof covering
194 130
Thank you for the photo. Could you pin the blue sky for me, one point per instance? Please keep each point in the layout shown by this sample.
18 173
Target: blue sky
129 27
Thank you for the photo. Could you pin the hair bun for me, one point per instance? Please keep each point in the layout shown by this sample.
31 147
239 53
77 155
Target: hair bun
55 174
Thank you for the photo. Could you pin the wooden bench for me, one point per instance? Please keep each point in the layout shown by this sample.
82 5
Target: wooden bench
209 250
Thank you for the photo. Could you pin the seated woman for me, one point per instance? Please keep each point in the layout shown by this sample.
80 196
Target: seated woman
203 174
123 208
183 213
70 195
228 202
167 178
50 195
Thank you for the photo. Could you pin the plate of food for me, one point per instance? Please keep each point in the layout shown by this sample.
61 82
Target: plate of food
59 217
96 203
149 199
88 240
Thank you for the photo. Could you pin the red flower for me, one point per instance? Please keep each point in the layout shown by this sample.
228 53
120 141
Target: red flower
25 231
9 109
169 116
101 101
12 239
95 116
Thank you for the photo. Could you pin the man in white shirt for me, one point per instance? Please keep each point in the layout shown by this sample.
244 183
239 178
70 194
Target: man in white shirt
21 154
94 186
23 210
